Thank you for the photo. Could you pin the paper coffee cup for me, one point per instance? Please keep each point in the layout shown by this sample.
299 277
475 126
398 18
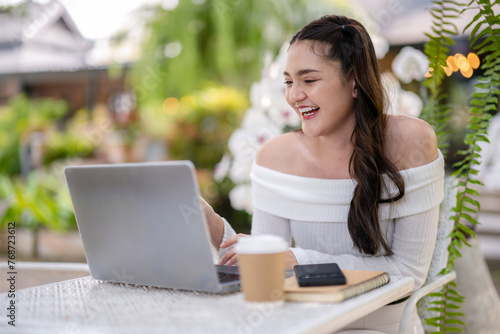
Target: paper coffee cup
261 261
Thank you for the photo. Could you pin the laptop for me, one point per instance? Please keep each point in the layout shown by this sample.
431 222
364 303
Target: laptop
143 223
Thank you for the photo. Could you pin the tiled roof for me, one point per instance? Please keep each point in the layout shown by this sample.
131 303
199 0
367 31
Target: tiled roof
40 37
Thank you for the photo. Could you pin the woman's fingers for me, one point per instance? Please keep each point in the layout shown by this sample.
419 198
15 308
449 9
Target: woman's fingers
231 241
230 257
290 260
233 260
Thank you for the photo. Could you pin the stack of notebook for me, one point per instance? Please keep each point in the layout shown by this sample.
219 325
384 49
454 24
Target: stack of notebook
358 282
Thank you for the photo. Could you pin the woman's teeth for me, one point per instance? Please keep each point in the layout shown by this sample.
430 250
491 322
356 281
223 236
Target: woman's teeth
308 111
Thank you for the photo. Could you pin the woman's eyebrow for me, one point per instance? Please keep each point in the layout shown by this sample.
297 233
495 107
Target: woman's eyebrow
302 72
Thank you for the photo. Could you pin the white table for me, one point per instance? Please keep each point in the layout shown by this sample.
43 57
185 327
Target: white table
85 305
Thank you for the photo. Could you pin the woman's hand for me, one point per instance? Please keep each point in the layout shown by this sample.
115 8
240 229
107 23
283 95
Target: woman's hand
215 224
290 260
230 258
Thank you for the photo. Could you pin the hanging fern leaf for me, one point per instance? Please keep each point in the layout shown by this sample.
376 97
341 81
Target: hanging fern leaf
485 39
436 112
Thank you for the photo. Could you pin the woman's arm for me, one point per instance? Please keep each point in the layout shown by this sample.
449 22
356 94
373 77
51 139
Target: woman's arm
263 223
413 245
219 228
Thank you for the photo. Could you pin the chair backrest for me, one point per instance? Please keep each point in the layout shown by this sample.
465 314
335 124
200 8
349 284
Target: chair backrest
445 226
440 255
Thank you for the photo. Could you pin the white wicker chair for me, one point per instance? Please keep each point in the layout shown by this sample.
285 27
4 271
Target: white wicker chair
434 281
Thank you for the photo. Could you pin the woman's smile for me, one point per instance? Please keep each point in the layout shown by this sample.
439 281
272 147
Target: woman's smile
308 112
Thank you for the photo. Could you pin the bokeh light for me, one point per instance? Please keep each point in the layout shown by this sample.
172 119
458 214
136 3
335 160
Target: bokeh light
187 103
473 60
452 63
459 62
171 106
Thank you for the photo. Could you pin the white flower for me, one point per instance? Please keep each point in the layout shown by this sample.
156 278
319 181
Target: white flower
256 95
283 115
268 95
380 45
254 118
410 104
222 168
392 88
410 64
256 128
244 144
242 166
246 141
241 198
399 101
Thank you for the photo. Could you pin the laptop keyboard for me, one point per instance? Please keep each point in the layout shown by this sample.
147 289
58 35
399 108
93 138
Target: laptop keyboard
226 277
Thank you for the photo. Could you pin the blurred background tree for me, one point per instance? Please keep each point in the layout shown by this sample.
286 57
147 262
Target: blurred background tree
190 43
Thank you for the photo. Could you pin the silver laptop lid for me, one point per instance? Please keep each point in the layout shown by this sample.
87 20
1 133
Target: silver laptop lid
143 224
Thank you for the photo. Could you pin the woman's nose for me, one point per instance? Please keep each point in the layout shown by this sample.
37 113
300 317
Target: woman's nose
296 94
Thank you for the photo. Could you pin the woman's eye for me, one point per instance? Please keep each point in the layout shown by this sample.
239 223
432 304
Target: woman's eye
309 81
288 82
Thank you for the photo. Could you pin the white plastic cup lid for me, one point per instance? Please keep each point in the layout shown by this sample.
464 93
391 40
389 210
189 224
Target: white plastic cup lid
261 244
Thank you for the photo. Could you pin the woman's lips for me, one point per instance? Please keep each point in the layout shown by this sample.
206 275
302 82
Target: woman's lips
309 113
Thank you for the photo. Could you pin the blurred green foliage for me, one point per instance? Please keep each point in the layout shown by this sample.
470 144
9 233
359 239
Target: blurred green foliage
196 127
220 41
34 195
40 199
202 126
18 120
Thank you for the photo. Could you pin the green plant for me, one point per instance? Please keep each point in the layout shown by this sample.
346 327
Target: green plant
76 140
200 41
37 198
485 39
201 128
41 199
437 111
18 120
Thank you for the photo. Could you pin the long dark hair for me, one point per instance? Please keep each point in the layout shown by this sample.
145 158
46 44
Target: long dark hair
348 42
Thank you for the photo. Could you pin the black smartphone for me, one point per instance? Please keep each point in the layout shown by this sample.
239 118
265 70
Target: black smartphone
319 274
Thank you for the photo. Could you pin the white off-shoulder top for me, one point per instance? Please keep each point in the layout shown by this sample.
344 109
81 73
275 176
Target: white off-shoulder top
311 214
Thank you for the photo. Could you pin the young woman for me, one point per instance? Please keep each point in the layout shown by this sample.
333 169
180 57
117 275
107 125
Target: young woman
353 186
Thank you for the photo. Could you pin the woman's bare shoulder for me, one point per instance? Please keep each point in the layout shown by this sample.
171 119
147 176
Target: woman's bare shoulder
277 153
410 142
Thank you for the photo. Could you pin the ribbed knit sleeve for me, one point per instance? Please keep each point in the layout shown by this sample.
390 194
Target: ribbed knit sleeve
228 233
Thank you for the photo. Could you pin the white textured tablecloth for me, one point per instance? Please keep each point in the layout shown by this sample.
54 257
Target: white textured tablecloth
86 305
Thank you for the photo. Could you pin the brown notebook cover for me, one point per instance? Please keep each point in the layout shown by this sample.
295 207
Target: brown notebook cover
358 282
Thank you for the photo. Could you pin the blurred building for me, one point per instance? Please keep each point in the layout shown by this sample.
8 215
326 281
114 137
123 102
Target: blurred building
43 54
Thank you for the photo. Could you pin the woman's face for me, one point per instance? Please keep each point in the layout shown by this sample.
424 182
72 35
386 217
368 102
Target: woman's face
316 90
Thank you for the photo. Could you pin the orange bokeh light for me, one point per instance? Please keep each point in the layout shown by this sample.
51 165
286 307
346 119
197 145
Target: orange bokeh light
468 72
448 71
171 105
473 60
461 60
452 63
